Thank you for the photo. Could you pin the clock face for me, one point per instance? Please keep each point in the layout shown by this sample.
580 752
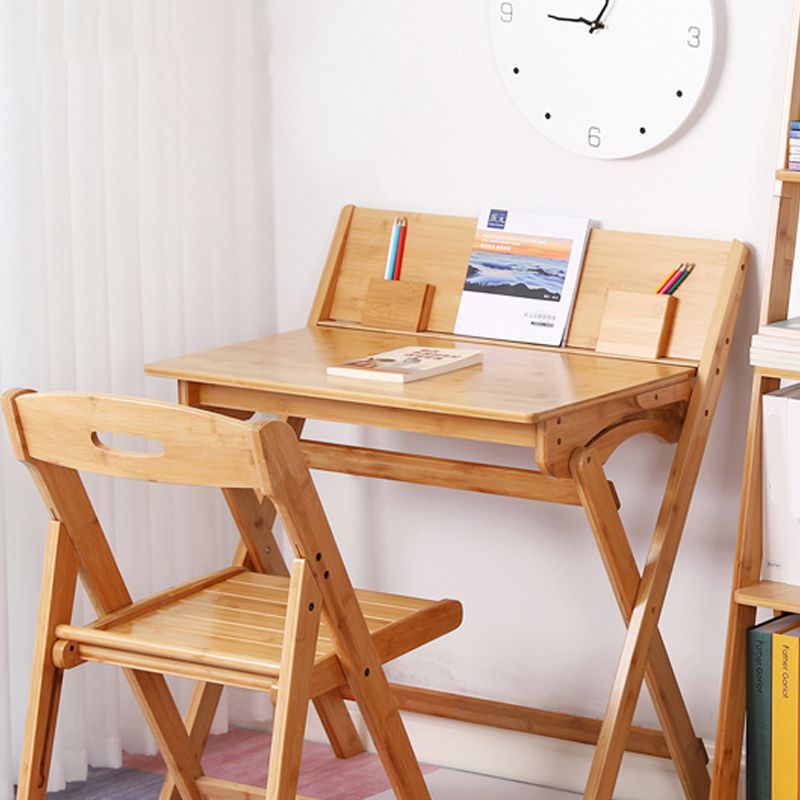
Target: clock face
604 79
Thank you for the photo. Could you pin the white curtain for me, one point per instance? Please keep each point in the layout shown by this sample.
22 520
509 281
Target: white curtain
135 224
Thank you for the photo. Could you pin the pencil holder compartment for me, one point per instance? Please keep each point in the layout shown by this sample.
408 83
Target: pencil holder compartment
636 324
398 305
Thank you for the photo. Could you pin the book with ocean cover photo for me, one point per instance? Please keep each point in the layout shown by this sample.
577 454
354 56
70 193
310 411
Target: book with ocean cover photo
522 275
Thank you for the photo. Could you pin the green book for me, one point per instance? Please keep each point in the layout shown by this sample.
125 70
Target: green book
759 704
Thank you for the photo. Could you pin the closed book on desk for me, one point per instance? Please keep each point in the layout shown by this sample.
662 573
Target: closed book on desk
407 364
759 704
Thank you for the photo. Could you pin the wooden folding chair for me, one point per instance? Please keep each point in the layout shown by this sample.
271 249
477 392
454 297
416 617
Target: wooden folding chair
301 637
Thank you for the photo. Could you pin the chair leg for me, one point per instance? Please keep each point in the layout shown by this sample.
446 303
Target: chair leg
159 709
259 551
57 597
198 720
297 663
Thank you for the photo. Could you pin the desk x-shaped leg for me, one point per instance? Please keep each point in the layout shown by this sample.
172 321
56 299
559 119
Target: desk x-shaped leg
687 751
641 601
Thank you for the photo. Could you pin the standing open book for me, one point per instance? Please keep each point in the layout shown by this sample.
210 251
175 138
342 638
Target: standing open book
522 276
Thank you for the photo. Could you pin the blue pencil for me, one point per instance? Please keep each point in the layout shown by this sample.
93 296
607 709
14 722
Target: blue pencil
389 271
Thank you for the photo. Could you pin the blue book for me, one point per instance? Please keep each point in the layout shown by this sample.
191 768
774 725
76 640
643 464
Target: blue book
759 704
794 134
795 125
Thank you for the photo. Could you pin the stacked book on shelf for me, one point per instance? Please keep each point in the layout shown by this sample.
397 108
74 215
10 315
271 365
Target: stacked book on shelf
794 145
777 345
773 711
781 475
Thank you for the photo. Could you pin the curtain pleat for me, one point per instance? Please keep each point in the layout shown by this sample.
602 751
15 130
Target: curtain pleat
135 225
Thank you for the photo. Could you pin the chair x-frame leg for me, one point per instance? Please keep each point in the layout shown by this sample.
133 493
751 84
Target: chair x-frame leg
258 550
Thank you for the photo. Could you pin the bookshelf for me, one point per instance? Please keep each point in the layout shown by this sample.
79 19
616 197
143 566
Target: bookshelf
749 592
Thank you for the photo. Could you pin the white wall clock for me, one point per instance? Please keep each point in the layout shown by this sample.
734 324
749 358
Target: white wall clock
604 78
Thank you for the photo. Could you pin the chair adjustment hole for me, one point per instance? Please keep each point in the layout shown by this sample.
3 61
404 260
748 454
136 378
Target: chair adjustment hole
366 672
318 556
326 574
311 606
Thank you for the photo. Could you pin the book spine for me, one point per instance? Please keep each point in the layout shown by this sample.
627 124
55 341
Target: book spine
759 714
775 502
785 719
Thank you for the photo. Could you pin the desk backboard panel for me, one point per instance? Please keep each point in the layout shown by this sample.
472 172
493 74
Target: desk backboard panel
437 252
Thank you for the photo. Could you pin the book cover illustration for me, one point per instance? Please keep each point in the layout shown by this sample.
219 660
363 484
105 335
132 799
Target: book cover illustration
407 364
522 276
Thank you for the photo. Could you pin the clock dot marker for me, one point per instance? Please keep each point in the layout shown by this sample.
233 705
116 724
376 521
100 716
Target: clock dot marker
516 70
679 93
642 130
547 115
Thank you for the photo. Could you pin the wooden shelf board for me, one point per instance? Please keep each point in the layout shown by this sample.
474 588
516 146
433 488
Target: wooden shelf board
775 372
787 176
770 594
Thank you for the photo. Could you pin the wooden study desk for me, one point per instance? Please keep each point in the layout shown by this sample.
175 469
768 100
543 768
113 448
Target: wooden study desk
572 406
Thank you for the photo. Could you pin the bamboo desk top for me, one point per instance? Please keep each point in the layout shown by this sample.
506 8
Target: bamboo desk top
504 400
512 384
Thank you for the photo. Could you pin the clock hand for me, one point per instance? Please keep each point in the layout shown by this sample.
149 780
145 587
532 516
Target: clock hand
597 20
594 24
572 19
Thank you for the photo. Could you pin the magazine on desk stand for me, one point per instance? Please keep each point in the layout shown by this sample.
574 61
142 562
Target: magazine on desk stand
522 276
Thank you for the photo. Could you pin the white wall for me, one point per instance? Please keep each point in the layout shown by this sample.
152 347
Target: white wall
398 105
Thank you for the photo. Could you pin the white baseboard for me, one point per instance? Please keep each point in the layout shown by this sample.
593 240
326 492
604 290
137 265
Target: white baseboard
104 751
523 757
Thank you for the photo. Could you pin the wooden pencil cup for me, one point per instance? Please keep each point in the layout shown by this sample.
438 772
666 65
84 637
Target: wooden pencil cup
636 324
398 305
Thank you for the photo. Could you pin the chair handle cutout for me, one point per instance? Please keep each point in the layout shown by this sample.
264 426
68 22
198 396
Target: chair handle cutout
126 444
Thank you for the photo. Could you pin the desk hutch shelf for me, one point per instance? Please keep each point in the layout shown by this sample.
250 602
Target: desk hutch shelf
749 592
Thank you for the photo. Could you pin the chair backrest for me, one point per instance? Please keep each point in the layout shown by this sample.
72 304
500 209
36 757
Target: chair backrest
57 434
193 447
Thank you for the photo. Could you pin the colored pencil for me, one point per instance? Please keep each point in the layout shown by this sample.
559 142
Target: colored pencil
687 272
389 272
668 279
674 279
401 243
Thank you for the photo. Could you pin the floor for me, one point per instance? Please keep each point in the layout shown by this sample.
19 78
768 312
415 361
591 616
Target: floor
241 755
